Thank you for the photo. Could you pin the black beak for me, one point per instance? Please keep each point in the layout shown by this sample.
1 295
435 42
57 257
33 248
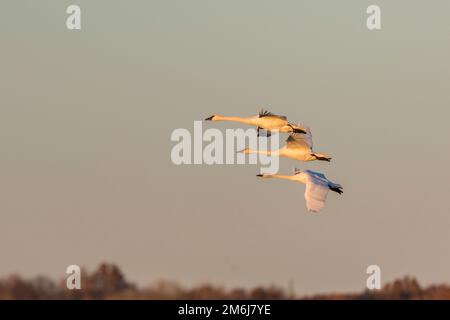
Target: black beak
259 175
209 118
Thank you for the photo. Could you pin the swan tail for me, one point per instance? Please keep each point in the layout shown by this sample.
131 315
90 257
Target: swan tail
322 157
296 129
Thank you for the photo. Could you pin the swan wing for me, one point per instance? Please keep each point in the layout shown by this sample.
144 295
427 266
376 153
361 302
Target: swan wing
317 175
316 190
264 113
299 127
300 140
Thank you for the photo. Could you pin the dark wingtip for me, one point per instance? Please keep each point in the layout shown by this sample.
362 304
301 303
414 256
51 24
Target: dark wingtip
209 118
337 189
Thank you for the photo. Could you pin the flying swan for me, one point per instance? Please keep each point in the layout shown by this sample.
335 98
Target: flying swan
264 120
298 147
317 186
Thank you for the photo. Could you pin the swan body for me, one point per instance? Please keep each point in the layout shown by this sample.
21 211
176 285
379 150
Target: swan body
317 186
298 147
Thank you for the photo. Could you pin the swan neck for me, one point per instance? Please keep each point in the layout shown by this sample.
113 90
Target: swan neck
250 120
266 152
280 176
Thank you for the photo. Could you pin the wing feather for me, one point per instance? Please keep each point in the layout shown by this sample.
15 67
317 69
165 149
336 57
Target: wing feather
300 140
264 113
316 190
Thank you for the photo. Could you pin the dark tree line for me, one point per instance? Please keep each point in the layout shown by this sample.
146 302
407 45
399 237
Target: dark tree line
108 282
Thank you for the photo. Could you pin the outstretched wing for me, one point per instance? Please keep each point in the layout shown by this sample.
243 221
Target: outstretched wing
264 113
317 175
316 190
307 136
300 140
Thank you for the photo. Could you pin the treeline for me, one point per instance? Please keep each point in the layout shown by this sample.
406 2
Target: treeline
108 282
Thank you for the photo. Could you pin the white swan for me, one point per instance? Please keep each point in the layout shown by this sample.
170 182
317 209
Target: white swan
317 186
264 120
298 147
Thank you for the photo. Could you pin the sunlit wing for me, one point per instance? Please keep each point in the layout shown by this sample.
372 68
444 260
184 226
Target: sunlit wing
265 113
300 140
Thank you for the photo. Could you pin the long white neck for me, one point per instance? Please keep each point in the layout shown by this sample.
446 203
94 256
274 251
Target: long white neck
295 178
279 176
250 120
266 152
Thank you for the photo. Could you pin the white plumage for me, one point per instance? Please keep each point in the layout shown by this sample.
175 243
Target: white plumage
317 186
298 147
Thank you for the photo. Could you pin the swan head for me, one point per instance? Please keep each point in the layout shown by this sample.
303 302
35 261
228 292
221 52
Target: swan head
213 118
244 151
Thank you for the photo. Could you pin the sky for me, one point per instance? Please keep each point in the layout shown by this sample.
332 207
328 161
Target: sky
86 118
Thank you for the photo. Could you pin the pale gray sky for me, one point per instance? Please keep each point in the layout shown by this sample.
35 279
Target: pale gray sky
86 118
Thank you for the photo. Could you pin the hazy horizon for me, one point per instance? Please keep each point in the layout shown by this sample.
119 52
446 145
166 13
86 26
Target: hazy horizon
86 118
